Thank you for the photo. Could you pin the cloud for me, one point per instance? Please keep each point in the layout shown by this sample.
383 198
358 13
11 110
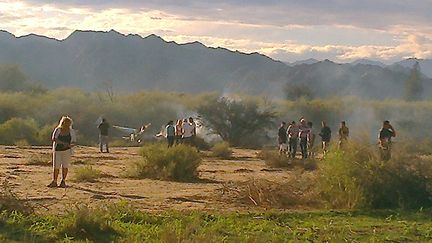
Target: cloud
287 30
379 14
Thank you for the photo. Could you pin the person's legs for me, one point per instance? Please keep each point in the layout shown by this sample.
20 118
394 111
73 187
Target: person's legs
310 150
105 142
101 143
56 170
66 155
324 146
293 147
290 146
303 147
170 141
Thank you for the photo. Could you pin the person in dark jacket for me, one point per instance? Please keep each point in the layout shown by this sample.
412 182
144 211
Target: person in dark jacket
386 133
103 135
325 135
282 138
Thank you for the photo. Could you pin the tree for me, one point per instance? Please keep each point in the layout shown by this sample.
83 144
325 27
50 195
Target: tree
235 121
296 91
12 78
413 85
106 87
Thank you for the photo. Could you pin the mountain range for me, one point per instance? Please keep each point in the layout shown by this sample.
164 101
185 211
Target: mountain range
88 59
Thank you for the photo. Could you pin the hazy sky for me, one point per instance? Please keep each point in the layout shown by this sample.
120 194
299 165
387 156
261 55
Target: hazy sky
288 30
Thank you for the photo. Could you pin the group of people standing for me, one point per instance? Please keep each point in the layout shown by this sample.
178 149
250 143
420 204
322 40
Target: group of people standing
184 131
304 135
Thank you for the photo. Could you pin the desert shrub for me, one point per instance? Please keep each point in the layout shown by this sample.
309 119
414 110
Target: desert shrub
356 178
22 144
200 143
222 150
88 224
17 129
297 191
273 159
238 122
43 136
87 174
177 163
294 91
39 159
10 202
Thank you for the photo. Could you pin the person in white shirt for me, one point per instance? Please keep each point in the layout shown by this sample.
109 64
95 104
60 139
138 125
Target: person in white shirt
188 132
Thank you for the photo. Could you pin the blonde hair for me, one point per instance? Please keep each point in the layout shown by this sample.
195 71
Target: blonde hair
65 123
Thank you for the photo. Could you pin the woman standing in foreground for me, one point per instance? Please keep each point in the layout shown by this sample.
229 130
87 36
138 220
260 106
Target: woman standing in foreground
63 139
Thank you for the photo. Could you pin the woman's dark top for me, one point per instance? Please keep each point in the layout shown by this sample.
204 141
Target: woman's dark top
282 135
65 139
325 134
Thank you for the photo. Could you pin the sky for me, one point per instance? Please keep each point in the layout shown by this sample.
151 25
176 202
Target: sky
286 30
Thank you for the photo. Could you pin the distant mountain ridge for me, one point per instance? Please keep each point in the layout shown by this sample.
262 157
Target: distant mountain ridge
86 59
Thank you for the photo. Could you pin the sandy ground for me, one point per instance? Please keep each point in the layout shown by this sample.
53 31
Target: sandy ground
29 181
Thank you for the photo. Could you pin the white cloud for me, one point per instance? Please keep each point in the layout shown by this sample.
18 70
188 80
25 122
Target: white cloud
290 30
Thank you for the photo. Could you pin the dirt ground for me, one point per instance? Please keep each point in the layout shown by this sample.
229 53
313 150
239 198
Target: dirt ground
30 182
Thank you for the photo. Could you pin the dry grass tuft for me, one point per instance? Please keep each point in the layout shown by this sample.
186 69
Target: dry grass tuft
10 202
39 160
297 192
222 150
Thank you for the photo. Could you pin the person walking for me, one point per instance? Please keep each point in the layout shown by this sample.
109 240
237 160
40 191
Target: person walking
282 138
170 133
63 138
386 133
304 132
103 135
325 135
293 132
343 134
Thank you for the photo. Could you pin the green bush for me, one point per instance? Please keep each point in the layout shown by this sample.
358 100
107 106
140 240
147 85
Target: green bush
88 224
87 174
357 178
17 129
239 122
178 163
222 150
273 159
